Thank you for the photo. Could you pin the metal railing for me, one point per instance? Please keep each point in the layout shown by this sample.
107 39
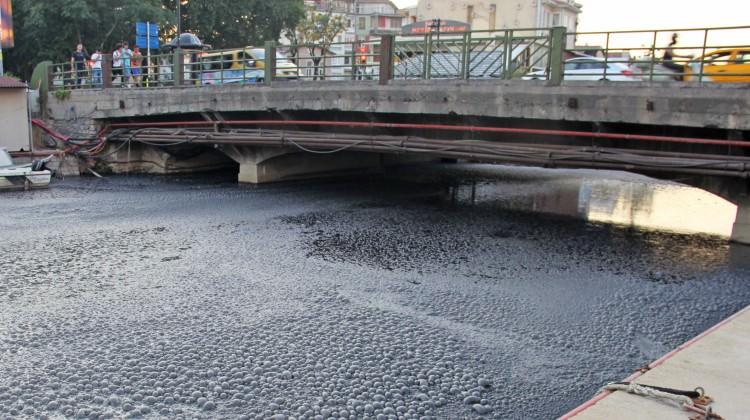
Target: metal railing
472 55
704 55
700 55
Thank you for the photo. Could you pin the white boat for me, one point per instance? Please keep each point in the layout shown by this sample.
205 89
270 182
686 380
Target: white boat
22 177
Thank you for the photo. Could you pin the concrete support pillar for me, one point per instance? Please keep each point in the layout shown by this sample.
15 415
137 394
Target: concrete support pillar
260 165
741 230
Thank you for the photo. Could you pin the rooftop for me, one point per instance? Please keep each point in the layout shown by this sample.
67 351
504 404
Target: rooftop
11 83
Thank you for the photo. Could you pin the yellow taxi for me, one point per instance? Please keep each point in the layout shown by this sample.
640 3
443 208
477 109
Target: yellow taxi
722 66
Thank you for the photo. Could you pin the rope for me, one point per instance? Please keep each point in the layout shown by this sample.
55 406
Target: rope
633 388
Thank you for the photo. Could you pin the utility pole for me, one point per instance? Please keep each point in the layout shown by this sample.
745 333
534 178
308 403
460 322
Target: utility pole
179 23
2 71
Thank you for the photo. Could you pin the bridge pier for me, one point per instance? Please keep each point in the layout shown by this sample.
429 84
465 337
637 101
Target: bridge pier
741 230
260 165
141 158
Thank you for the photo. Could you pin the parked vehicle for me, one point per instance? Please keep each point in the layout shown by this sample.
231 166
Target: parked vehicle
592 68
245 65
721 66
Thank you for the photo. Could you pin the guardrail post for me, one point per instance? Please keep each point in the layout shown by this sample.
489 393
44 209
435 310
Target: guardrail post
179 68
386 58
557 50
269 66
427 74
355 48
466 57
106 71
507 54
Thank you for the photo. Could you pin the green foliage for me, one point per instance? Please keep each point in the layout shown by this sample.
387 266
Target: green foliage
235 23
62 94
316 33
50 29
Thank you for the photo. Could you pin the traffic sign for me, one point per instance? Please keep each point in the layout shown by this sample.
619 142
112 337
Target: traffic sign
147 29
142 41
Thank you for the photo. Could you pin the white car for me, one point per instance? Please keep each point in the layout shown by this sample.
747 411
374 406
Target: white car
592 68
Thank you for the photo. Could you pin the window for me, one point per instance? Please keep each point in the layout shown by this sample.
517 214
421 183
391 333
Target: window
362 24
227 61
493 16
469 14
555 19
593 65
743 57
720 59
571 66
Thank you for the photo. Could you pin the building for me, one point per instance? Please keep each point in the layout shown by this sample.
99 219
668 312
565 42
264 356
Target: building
14 115
366 20
502 14
364 17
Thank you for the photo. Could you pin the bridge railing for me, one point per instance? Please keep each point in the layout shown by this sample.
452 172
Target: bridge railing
505 54
700 55
704 55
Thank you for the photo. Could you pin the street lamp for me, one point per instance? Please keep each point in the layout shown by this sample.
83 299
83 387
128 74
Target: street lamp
179 20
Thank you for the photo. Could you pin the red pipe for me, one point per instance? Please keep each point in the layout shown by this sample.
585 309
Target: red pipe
44 127
442 127
38 153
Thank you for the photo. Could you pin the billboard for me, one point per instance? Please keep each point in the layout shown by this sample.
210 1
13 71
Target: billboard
425 27
6 36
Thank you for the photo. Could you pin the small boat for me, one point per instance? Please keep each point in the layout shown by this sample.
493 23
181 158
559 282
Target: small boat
22 177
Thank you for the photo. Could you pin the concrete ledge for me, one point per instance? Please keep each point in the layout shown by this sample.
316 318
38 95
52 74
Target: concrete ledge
674 104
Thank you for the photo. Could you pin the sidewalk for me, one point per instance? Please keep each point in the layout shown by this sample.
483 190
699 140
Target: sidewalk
717 360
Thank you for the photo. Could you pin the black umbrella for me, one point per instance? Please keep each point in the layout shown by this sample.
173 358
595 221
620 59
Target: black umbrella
188 41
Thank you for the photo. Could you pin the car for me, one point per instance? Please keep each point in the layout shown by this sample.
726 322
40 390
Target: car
721 66
592 68
244 65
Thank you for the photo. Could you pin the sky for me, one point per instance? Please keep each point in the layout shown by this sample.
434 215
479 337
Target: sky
601 15
612 15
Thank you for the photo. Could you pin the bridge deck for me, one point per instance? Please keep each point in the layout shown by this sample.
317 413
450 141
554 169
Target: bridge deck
717 360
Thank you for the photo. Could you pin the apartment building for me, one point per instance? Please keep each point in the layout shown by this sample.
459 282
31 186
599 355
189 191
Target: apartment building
503 14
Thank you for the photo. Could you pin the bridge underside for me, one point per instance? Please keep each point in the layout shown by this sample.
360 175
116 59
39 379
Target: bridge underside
290 130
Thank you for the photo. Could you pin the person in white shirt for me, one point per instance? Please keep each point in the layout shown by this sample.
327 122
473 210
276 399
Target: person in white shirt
96 67
117 64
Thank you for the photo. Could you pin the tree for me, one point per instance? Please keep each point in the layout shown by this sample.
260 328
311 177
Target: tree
50 29
235 23
316 33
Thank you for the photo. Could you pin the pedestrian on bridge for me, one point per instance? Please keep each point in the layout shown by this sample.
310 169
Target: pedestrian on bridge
127 56
78 65
96 68
670 55
137 61
117 64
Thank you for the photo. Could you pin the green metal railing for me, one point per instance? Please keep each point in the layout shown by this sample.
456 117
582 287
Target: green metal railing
549 54
472 55
643 51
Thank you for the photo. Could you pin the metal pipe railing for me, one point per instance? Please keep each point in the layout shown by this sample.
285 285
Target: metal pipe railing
719 54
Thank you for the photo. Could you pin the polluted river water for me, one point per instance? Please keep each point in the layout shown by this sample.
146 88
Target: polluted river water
436 291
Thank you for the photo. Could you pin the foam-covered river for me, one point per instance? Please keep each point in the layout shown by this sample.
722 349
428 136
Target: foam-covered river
437 291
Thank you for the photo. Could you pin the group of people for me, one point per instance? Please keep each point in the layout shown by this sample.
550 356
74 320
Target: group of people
126 66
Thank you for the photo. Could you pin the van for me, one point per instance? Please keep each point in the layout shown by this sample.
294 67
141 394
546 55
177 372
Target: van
242 66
